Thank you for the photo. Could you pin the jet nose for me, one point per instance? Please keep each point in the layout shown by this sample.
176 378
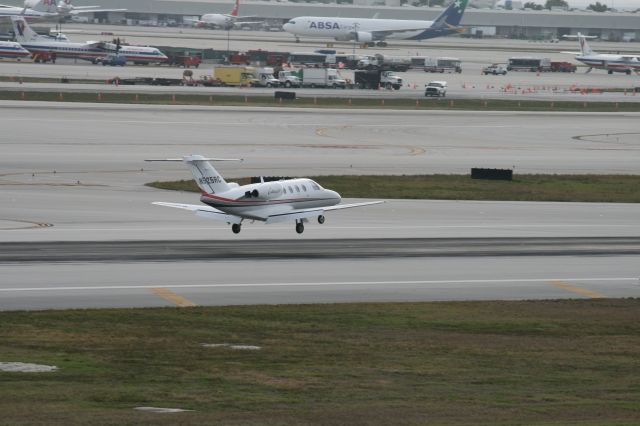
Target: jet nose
335 197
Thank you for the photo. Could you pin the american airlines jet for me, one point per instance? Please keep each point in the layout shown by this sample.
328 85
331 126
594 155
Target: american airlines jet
90 51
270 202
64 7
10 49
377 30
605 61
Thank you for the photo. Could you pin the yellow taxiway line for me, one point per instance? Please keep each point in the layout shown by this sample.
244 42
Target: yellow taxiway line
170 296
578 290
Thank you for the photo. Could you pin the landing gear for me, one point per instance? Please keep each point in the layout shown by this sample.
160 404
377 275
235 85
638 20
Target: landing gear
320 219
236 228
299 227
382 44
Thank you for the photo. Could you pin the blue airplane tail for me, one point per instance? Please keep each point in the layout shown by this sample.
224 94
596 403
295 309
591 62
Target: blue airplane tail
452 15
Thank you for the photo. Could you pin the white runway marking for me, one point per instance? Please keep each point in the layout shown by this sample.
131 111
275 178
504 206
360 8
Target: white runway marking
312 284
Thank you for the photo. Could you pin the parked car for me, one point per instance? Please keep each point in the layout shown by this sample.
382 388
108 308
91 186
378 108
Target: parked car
495 69
112 60
436 88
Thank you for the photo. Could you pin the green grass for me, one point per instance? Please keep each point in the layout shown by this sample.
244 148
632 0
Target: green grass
333 102
546 362
577 188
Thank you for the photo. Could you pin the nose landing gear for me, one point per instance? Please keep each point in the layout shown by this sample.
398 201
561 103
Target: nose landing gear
236 228
299 227
321 219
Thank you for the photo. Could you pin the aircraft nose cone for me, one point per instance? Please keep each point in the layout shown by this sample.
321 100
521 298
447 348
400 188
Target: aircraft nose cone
286 26
336 197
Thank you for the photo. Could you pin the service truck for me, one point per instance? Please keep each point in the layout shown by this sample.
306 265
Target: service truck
529 64
378 61
290 78
236 76
323 77
265 77
442 65
375 79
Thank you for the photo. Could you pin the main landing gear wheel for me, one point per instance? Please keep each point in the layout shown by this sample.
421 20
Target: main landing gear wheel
320 219
299 227
236 228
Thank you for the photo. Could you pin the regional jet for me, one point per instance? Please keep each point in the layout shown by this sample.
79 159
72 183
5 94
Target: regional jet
377 30
90 51
270 202
610 62
223 20
10 49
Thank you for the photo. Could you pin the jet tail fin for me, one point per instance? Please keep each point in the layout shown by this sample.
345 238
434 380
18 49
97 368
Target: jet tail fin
22 30
452 15
236 7
50 6
585 49
208 179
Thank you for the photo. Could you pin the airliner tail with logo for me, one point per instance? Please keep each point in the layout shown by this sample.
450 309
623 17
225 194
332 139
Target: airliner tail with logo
378 30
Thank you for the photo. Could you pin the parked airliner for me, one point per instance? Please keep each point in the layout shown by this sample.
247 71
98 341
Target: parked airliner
64 7
10 49
377 30
223 20
90 51
269 202
606 61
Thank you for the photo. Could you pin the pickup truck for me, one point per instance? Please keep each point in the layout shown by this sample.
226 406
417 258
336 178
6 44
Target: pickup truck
436 88
495 69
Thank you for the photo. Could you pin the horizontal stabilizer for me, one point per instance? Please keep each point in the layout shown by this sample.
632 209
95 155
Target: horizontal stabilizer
199 159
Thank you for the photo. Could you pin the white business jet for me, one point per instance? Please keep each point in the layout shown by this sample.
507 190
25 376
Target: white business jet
269 202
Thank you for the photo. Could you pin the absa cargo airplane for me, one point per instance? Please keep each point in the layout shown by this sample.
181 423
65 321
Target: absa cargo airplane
377 30
269 202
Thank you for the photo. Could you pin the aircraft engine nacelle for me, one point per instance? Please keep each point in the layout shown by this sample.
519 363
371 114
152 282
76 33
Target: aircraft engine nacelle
363 37
266 191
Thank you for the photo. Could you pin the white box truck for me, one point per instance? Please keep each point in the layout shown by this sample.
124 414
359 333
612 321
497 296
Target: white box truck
323 77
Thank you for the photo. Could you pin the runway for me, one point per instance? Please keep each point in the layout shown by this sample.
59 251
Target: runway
75 174
176 250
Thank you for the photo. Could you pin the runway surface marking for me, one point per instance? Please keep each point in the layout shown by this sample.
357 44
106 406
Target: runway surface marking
320 283
170 296
578 290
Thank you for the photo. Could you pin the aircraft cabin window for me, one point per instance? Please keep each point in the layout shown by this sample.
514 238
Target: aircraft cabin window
291 190
284 190
304 188
297 188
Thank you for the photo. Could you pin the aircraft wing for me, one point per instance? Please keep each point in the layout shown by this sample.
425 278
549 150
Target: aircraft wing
77 12
313 212
203 211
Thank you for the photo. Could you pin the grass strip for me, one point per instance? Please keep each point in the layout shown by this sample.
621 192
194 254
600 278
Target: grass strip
332 102
526 362
575 188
